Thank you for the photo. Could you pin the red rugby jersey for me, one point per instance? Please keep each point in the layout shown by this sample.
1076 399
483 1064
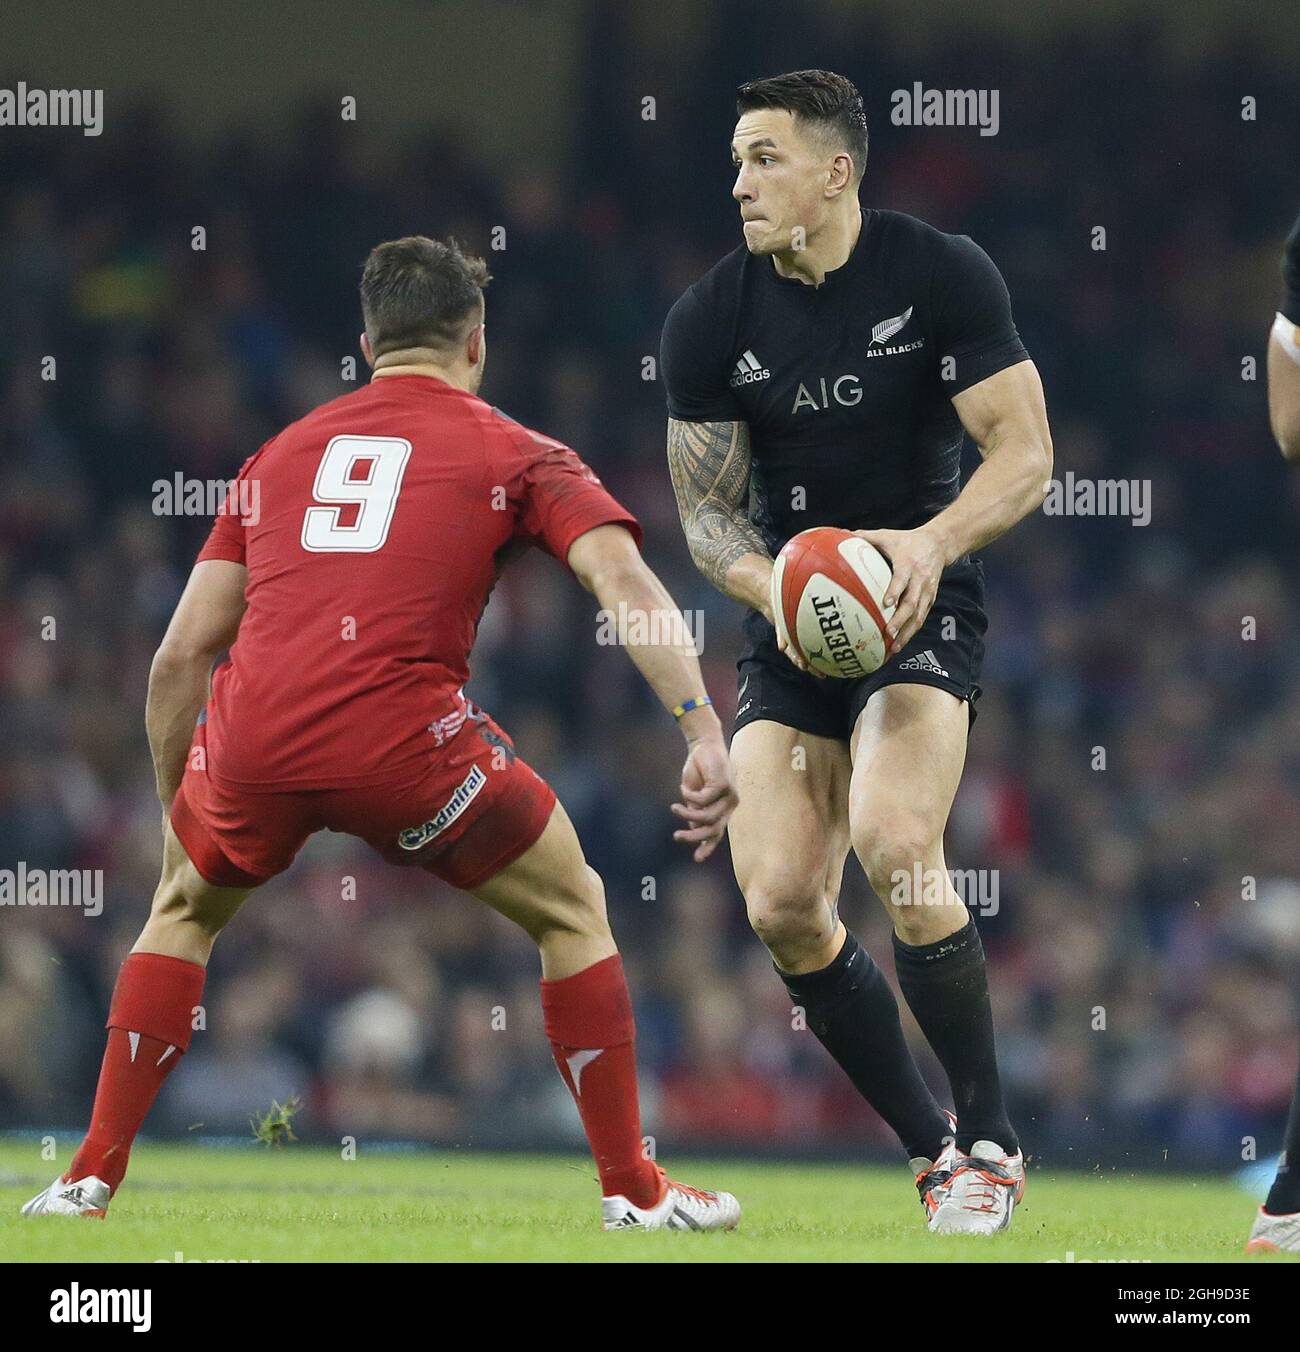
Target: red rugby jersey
374 540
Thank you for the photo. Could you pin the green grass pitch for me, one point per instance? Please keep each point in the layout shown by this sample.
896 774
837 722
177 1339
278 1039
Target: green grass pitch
297 1204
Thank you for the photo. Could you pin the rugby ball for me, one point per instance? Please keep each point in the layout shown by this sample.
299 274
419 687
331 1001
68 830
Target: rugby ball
828 588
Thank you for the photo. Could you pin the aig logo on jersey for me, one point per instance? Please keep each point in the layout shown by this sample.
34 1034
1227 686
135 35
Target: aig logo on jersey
748 371
846 390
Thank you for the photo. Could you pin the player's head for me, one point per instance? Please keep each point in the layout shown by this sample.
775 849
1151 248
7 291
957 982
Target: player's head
799 148
422 303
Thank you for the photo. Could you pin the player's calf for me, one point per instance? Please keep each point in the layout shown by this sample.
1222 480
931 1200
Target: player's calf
559 900
938 955
150 1022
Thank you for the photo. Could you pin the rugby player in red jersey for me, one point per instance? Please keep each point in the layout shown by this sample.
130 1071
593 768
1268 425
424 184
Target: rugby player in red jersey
349 603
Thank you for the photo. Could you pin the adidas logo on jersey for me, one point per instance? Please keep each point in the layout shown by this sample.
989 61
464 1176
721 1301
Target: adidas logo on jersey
748 370
925 661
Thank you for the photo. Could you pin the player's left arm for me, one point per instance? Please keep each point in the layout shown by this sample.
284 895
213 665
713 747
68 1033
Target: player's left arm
1006 417
999 400
204 626
1284 355
1284 386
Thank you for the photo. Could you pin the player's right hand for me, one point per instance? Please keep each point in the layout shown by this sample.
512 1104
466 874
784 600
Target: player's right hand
709 796
793 654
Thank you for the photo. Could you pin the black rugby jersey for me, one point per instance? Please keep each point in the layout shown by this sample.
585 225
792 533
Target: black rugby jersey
843 385
1289 305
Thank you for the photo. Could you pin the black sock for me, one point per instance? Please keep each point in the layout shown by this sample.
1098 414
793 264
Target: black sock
851 1008
1284 1195
946 987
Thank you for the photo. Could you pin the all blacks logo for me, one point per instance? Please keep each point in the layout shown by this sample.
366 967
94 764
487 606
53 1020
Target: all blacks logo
838 645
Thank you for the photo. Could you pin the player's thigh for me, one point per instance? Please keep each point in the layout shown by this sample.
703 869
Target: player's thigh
908 749
789 832
184 894
550 886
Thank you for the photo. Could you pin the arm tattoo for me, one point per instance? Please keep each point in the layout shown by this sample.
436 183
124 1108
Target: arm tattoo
710 464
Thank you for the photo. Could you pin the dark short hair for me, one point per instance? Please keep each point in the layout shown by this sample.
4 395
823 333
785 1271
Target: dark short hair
828 101
419 292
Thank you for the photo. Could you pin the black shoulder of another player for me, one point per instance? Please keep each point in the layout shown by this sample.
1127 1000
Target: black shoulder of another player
696 347
971 308
1290 304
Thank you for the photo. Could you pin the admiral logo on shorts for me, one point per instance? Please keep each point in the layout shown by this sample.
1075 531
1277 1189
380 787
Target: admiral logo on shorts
416 837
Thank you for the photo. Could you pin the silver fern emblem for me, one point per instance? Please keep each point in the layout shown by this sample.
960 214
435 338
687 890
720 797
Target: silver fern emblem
888 327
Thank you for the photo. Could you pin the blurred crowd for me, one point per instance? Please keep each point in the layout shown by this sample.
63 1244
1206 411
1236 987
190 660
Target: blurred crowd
1134 773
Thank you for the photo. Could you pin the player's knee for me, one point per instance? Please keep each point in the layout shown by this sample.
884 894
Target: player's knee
789 914
577 907
894 847
173 904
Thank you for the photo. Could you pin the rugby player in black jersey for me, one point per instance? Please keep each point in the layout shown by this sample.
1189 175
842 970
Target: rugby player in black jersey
1277 1223
822 374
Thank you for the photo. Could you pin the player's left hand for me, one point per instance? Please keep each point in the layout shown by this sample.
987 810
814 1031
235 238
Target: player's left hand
710 796
917 562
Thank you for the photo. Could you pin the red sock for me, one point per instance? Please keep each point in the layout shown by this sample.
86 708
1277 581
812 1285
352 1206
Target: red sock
149 1024
589 1022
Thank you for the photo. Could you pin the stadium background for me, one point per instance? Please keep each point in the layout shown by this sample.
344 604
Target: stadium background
1119 890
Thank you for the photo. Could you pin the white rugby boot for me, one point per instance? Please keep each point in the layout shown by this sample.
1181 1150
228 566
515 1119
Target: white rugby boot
981 1192
933 1176
680 1208
1274 1234
85 1197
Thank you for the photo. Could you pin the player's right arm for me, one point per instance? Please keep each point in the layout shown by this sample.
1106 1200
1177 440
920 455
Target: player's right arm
608 563
1284 355
710 465
709 453
204 626
564 508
